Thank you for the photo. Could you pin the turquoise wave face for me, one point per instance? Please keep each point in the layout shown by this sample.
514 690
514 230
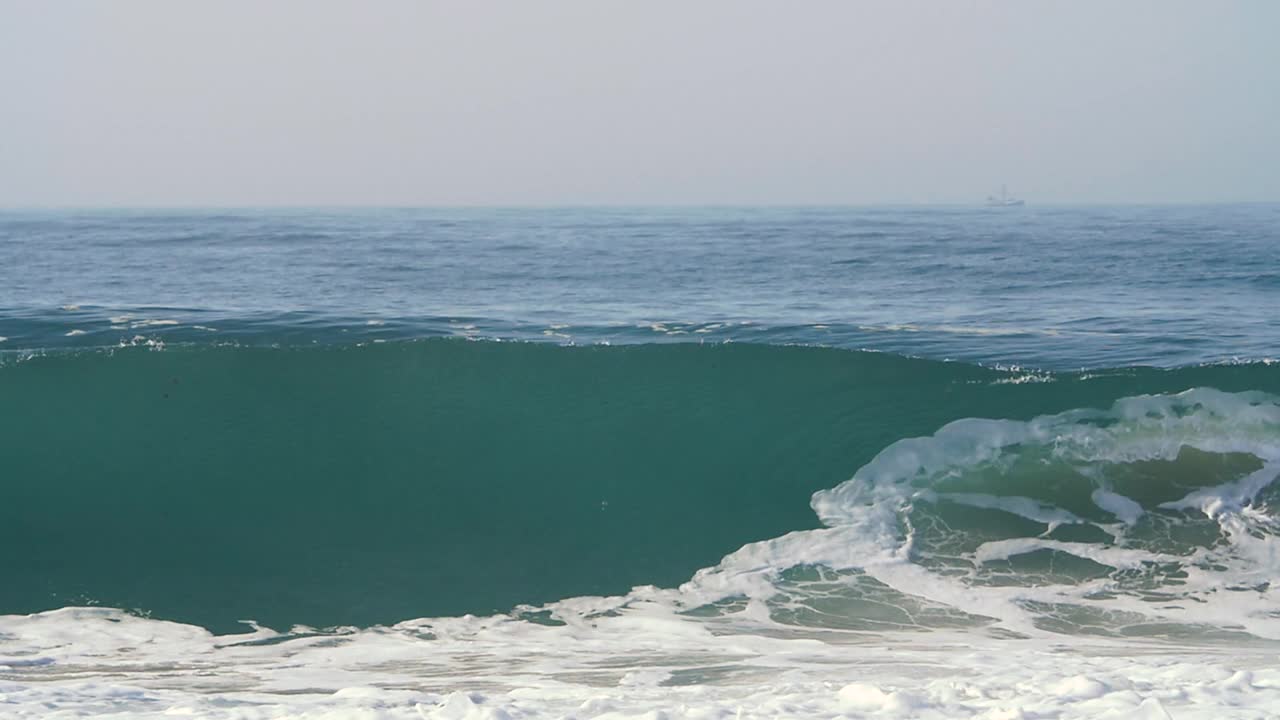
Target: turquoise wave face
355 485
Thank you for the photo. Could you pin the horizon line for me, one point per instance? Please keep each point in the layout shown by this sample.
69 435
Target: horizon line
619 205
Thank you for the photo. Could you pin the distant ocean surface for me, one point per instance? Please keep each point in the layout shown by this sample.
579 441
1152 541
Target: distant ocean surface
1060 288
643 462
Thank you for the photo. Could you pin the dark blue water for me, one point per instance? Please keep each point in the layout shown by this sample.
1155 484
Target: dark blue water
1057 288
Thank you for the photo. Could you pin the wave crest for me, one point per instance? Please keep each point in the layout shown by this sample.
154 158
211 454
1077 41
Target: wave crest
1151 517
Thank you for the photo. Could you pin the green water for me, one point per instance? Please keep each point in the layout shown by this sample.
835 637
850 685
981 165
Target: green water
360 485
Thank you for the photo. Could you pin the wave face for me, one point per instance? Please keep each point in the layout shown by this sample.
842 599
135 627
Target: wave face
363 485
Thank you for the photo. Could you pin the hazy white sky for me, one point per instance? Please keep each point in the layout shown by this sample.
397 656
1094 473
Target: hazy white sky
164 102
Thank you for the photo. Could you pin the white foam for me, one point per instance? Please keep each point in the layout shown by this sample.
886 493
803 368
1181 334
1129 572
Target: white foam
1025 378
1229 496
641 662
1119 558
870 527
1126 510
1022 506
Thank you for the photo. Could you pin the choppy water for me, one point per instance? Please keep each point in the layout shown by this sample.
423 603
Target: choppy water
1058 288
1050 494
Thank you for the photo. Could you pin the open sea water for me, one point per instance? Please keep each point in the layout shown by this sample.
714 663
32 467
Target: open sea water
640 463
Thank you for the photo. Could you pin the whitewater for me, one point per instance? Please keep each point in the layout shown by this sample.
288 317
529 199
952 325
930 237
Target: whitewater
642 463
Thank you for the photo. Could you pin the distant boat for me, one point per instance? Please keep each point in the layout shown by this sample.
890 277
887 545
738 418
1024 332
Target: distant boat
1004 200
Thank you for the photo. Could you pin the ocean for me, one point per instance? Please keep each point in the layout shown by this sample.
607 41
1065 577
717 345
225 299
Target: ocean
485 463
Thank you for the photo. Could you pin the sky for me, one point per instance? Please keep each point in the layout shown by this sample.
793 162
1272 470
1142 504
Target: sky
585 102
